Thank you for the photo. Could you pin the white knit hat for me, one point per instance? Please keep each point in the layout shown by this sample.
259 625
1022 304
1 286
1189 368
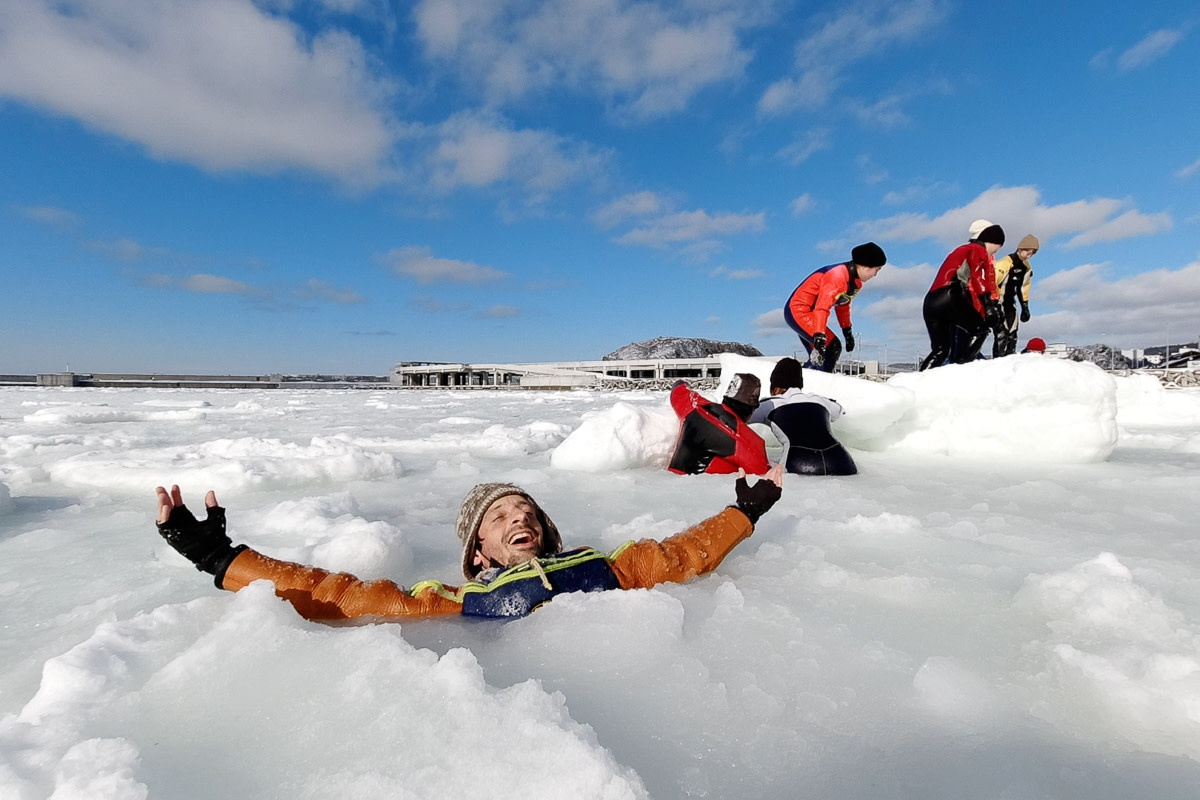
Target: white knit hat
977 228
476 504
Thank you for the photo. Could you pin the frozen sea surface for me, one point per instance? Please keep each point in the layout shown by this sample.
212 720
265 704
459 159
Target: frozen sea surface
1004 603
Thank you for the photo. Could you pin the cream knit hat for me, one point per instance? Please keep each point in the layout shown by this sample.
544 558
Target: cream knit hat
476 504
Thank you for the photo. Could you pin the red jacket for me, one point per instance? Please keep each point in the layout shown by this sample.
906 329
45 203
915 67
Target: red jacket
971 265
712 438
829 288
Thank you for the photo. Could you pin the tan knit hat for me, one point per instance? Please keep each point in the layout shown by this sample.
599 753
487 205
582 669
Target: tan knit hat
476 504
1028 242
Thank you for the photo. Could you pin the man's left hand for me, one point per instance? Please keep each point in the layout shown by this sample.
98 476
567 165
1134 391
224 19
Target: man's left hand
756 500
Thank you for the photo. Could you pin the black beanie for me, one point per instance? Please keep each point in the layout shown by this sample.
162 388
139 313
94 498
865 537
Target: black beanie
992 234
788 374
868 255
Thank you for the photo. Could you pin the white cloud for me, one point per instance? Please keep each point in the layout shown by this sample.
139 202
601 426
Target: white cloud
126 250
320 290
805 146
1141 309
216 284
770 323
802 205
693 227
49 215
1019 210
859 31
421 265
498 312
1190 170
647 58
1150 49
216 83
872 173
480 149
640 204
916 193
736 274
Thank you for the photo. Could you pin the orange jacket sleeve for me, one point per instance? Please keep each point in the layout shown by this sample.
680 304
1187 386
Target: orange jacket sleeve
685 555
321 595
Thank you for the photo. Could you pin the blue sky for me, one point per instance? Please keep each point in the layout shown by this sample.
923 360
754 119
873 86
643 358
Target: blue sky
337 185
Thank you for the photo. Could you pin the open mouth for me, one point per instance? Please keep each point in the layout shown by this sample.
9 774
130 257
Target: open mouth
521 539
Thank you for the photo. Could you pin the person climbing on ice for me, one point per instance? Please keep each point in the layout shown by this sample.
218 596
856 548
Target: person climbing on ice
1013 276
800 420
962 305
831 288
715 437
512 558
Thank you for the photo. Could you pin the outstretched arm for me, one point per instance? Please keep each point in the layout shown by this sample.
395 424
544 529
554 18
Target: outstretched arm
702 547
203 542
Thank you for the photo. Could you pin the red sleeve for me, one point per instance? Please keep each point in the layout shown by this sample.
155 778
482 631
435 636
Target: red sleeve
683 399
982 272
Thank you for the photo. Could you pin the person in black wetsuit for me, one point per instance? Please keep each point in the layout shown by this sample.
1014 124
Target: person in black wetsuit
801 423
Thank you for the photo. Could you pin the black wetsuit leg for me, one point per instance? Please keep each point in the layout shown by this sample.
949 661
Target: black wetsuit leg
939 313
833 460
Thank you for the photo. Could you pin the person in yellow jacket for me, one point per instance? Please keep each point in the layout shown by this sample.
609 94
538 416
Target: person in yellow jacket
512 557
1013 276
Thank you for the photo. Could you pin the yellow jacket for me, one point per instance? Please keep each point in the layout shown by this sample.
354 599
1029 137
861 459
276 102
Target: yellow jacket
1002 269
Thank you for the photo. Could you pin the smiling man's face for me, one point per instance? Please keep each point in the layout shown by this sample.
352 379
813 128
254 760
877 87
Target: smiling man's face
509 533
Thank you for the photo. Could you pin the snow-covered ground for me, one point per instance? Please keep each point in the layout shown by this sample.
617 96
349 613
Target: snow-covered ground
1004 603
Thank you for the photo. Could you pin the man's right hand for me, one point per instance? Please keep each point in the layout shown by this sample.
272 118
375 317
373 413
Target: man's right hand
756 500
203 542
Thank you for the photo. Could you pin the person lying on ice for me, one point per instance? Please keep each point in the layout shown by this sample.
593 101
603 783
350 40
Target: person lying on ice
714 437
512 558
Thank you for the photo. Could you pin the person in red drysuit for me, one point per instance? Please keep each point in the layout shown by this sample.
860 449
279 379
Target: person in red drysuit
962 303
830 288
715 437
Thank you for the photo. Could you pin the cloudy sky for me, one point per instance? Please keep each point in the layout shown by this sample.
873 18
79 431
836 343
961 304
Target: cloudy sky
337 185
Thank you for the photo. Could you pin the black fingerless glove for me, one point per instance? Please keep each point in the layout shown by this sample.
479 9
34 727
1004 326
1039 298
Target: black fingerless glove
756 500
1024 313
849 334
204 543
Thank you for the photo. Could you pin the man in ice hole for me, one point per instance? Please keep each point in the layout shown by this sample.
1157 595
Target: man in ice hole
512 557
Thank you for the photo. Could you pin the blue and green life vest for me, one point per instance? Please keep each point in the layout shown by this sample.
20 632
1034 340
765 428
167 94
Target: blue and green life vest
519 590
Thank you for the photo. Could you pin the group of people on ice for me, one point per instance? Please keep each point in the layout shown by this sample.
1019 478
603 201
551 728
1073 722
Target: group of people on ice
973 295
512 552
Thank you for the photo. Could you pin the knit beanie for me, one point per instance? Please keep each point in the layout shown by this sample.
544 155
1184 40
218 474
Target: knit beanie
745 387
742 394
992 234
788 374
1028 242
476 504
868 255
976 227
